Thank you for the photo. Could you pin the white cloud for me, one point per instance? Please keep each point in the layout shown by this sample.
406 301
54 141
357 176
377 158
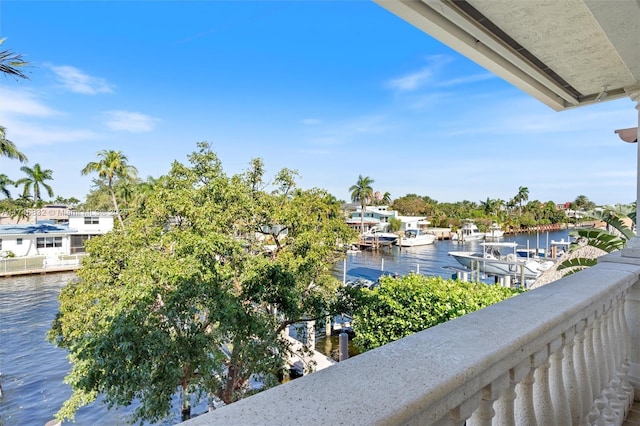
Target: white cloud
22 102
77 81
412 81
417 79
133 122
465 80
26 134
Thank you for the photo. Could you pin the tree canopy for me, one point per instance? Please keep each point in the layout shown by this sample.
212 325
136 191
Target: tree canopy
199 289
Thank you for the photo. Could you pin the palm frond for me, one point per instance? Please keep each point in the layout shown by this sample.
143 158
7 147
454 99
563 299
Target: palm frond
600 239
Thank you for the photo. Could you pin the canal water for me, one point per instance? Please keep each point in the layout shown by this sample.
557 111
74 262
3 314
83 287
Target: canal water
33 370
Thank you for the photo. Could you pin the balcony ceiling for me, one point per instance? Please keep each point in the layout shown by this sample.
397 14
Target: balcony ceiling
561 52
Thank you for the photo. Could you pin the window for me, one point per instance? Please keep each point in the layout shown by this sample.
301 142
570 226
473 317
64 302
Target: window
77 243
19 241
91 220
48 242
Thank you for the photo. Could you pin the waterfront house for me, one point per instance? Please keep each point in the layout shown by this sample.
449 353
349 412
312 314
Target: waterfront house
566 353
49 238
372 216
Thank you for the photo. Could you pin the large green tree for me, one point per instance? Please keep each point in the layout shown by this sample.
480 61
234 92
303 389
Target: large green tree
521 197
362 192
111 166
200 289
36 179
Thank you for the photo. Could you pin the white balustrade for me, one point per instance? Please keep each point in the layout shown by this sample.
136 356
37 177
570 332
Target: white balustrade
566 353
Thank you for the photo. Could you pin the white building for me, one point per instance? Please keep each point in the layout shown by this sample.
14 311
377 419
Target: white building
48 238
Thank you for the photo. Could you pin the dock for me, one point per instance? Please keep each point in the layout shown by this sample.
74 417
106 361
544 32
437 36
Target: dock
39 265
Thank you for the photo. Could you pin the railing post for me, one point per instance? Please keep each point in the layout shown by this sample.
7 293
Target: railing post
570 370
504 406
524 410
582 366
559 397
632 311
543 407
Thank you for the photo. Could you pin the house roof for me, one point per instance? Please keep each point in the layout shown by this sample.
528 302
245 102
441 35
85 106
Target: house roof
565 53
34 229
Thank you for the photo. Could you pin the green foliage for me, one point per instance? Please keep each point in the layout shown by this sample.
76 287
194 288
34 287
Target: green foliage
607 241
571 266
403 306
198 289
394 224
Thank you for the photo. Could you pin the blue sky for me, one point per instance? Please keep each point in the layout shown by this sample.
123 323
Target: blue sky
333 89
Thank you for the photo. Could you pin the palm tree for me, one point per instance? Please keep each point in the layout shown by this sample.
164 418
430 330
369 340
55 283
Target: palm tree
362 192
36 178
112 165
4 182
523 195
8 148
386 198
9 63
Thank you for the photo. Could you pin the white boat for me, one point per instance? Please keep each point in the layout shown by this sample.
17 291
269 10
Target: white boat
468 232
378 234
492 260
416 237
495 232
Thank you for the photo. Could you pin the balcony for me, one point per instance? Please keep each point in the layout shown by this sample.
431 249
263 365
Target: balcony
566 353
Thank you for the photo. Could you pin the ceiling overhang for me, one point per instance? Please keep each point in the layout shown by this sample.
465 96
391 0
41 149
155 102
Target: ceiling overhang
565 53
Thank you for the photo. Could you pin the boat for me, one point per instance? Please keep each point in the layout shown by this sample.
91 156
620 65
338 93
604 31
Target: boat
495 232
468 232
416 237
492 260
379 234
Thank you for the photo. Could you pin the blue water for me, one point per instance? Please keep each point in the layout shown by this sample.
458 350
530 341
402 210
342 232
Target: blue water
432 260
33 369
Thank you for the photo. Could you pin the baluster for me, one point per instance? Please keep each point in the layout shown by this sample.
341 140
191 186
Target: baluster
485 413
626 393
582 371
524 412
543 406
609 351
559 397
599 349
570 372
504 406
593 371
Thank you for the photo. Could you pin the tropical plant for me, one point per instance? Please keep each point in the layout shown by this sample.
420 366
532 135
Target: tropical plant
35 179
521 196
610 240
8 148
112 165
386 198
198 293
362 192
4 182
10 63
403 306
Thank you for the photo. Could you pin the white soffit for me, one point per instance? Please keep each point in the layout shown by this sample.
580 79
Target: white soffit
562 52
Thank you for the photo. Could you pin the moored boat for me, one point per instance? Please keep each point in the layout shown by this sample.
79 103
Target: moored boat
468 232
492 260
494 233
379 235
416 237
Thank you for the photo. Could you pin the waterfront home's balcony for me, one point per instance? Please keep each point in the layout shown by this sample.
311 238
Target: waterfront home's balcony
566 353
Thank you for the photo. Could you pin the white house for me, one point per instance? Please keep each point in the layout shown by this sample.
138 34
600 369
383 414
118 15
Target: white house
48 238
